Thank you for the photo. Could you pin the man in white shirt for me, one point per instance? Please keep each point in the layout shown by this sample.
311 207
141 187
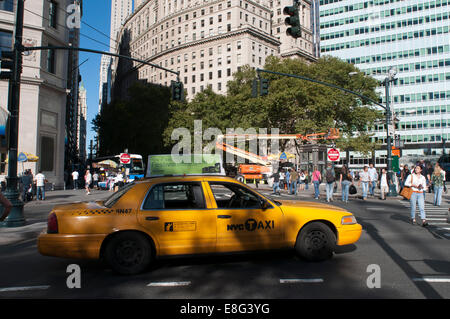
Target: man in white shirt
75 179
373 179
40 186
364 179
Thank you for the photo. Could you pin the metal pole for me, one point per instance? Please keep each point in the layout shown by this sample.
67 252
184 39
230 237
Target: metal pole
16 217
392 190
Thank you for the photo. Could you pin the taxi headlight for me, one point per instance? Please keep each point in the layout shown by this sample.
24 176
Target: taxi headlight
348 220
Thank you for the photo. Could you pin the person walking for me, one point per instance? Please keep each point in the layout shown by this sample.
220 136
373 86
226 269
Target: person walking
95 178
373 179
88 181
293 180
40 186
302 179
27 183
346 180
287 180
75 176
316 179
438 180
330 178
276 183
364 179
307 179
418 184
403 175
282 179
384 181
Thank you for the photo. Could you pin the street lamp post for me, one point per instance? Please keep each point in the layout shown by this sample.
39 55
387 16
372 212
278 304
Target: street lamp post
16 217
387 81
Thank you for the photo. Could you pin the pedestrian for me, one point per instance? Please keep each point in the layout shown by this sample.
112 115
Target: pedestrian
302 179
418 184
7 206
403 175
40 186
438 180
346 179
307 179
330 178
75 176
88 181
373 179
276 183
288 180
282 178
364 179
316 179
429 173
384 181
27 183
293 180
95 178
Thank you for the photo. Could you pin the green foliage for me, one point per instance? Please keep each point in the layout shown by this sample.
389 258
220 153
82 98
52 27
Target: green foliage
137 123
292 105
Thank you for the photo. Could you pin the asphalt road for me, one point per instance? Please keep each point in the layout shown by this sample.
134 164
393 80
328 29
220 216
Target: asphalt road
411 261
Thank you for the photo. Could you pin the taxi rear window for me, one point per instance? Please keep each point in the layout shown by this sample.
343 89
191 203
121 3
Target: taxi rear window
185 195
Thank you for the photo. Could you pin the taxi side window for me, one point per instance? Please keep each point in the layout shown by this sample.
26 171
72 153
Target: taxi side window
175 196
231 195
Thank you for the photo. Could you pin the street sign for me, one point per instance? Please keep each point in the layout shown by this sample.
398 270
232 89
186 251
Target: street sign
125 158
333 154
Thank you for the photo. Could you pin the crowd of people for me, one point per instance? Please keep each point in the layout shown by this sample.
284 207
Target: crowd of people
421 178
100 179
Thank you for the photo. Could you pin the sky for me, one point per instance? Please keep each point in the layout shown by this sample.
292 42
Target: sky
96 13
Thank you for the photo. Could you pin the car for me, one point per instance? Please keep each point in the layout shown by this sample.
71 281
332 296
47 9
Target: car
190 215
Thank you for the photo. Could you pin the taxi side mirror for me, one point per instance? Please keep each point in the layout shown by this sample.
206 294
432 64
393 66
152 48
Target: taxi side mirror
264 204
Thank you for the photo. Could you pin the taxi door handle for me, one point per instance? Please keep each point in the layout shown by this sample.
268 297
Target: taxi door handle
151 218
223 216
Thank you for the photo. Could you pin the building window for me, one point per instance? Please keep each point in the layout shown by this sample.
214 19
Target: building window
6 5
47 153
5 40
51 61
53 11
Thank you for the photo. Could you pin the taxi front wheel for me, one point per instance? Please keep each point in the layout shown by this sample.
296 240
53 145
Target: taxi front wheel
128 253
315 242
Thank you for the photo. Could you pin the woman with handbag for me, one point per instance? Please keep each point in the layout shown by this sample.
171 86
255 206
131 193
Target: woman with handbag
418 185
437 180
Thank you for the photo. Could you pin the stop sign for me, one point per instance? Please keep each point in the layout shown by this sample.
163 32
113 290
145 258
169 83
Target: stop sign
125 158
333 155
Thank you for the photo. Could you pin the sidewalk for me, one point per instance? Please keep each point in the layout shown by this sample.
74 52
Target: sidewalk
36 213
309 193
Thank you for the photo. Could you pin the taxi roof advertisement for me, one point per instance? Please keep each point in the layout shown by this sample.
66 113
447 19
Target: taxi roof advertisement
192 164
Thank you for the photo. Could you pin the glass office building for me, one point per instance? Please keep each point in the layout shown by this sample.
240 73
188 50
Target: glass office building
411 36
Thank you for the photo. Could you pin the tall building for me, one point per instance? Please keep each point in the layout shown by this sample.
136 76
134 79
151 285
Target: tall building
411 37
44 84
206 41
82 117
120 11
73 80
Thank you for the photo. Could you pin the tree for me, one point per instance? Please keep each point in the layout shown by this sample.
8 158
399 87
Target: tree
136 123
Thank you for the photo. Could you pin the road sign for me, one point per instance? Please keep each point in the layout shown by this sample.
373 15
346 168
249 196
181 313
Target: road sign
333 154
125 158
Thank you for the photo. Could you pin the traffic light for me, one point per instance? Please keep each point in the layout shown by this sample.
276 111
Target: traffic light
293 21
177 90
254 88
6 64
263 87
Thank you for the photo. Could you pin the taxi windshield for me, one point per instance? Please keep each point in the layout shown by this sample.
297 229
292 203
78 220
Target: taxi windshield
117 195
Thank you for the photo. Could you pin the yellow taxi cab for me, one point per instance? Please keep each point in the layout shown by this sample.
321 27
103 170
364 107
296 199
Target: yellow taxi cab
170 216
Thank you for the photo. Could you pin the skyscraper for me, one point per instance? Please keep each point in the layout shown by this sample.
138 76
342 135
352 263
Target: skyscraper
120 10
411 37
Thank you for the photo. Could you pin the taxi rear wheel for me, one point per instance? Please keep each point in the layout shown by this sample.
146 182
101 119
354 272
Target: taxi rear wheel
128 253
316 242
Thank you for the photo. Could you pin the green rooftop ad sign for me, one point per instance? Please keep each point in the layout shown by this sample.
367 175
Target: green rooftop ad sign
194 164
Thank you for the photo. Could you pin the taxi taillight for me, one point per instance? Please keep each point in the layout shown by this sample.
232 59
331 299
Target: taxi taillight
52 224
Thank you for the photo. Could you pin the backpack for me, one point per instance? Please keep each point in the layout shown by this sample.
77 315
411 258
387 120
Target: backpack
329 176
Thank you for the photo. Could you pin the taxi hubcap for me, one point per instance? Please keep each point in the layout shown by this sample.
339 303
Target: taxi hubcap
316 240
129 253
